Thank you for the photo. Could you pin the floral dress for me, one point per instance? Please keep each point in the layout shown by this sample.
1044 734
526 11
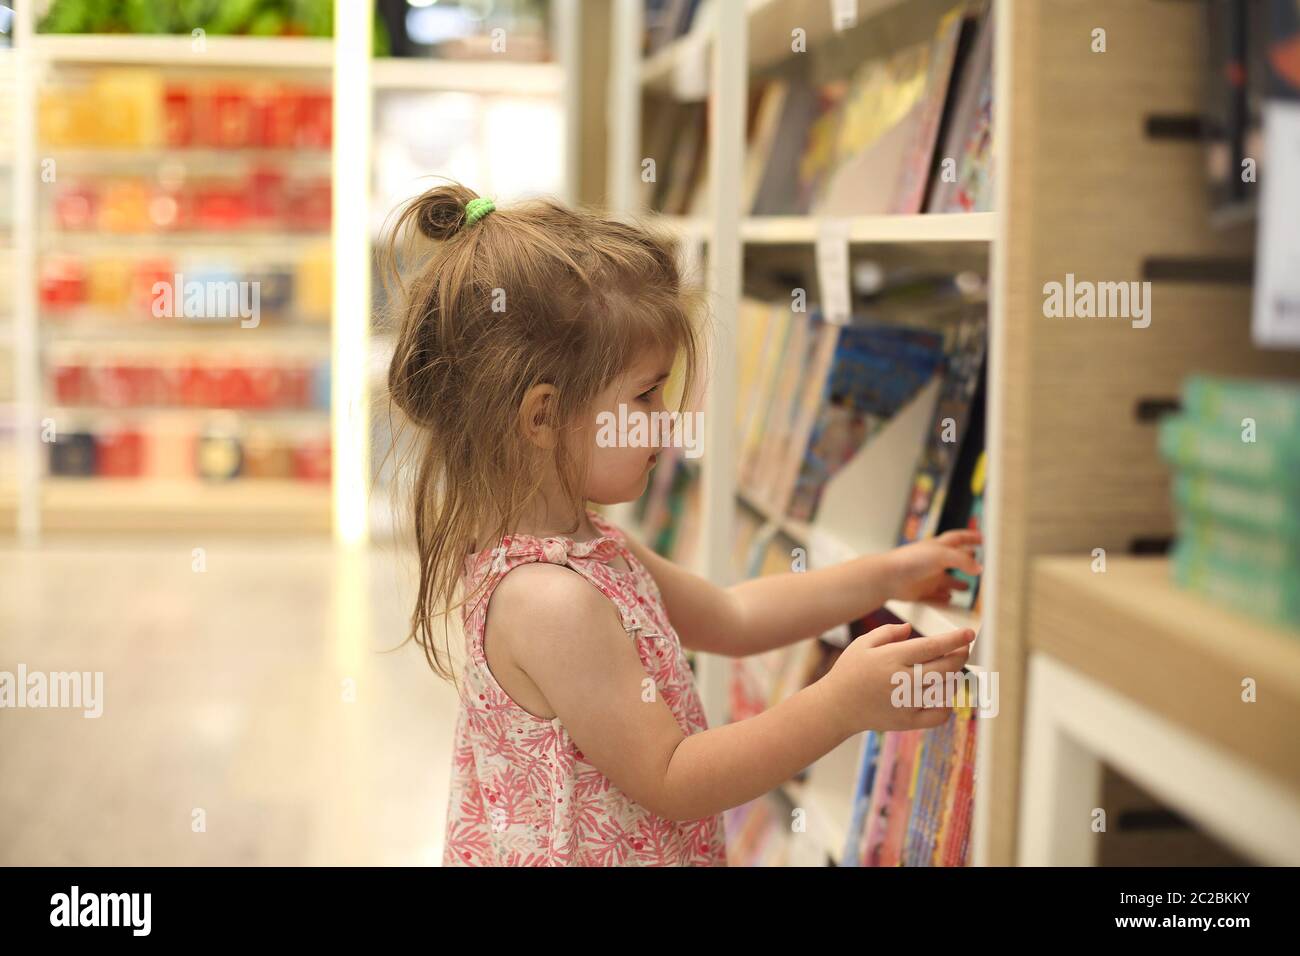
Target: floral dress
522 793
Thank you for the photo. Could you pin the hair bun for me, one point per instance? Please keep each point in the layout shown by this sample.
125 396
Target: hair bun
439 213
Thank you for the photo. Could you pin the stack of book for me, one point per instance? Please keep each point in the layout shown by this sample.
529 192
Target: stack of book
1235 451
811 395
914 799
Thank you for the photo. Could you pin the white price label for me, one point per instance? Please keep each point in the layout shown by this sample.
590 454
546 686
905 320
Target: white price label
833 270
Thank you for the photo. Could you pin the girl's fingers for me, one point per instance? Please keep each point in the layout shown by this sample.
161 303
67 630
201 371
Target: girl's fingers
948 664
927 718
961 537
887 634
955 584
922 649
962 561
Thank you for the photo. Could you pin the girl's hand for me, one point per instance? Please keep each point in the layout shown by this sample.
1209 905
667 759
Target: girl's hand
919 572
860 685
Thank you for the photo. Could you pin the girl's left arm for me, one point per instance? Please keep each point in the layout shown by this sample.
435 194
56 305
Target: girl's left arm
770 612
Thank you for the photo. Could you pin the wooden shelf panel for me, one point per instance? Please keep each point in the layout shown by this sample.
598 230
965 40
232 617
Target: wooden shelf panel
1174 653
959 227
100 504
972 227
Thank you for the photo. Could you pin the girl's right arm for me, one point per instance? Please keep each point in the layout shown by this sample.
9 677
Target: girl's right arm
565 638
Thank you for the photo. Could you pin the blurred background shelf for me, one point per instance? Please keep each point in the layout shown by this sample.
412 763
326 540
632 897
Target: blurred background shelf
224 51
412 74
128 505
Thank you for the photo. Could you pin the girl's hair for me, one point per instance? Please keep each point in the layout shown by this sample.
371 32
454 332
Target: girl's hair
530 294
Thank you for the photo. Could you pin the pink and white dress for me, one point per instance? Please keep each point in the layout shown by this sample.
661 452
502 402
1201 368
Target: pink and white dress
522 794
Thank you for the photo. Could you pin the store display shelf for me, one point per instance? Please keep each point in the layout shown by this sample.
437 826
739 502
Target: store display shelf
489 77
179 331
126 505
316 417
974 227
287 53
1174 653
100 159
57 240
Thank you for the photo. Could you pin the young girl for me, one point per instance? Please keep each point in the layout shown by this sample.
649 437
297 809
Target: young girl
581 740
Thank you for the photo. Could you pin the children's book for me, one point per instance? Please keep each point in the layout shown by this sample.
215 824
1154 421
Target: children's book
947 434
874 372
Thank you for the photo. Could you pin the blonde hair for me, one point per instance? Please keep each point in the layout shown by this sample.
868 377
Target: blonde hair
530 294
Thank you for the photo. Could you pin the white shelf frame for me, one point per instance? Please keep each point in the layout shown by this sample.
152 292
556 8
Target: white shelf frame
1074 725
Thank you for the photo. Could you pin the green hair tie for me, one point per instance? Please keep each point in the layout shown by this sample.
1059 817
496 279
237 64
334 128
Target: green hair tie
476 209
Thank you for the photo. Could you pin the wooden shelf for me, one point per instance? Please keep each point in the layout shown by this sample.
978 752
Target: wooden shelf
266 52
468 76
975 227
127 505
960 227
1173 653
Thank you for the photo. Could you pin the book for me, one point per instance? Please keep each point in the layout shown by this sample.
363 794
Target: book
948 431
873 372
861 797
1225 451
965 183
1274 406
777 192
1247 508
975 522
1245 585
1274 552
922 122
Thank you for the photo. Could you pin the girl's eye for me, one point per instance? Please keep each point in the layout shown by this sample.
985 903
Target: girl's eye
645 396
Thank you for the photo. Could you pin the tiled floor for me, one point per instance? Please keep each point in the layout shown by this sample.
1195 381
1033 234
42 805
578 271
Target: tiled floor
246 687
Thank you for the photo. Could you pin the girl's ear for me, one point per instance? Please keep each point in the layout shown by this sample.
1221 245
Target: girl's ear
535 416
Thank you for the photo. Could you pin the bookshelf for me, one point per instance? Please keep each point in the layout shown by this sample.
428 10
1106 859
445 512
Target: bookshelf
1088 180
697 66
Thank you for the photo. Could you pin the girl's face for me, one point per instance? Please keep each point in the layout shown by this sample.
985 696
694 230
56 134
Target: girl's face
630 420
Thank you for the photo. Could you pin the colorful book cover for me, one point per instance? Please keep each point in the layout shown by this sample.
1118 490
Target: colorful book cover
1274 406
781 409
875 371
975 522
861 797
948 799
781 362
947 433
1232 451
1244 586
923 121
1249 508
906 768
873 834
1271 551
966 169
789 456
958 836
